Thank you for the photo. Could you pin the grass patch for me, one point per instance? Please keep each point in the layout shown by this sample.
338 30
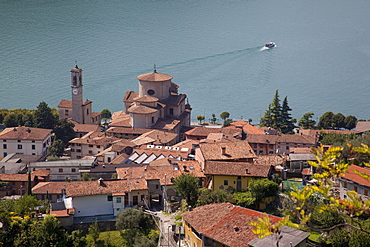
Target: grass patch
108 238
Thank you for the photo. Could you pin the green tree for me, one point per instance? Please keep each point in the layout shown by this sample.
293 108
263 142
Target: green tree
306 121
276 112
106 114
213 120
44 117
338 120
64 131
94 231
56 148
187 186
25 205
50 233
350 122
10 120
266 120
326 121
288 122
86 177
76 239
200 118
207 196
224 115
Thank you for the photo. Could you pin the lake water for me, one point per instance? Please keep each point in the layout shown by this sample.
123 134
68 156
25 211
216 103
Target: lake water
212 48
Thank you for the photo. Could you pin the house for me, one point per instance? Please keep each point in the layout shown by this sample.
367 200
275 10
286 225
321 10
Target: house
353 181
25 140
362 126
17 163
160 175
76 109
64 169
157 105
95 198
229 176
83 129
90 144
199 133
126 133
17 184
235 151
247 128
278 144
221 224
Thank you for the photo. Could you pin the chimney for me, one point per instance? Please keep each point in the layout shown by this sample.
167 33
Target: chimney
246 170
223 150
100 181
28 130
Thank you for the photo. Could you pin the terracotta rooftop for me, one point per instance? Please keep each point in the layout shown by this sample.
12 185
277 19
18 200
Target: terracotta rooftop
68 103
88 188
166 124
225 223
142 109
123 130
362 126
247 128
129 96
203 132
85 127
146 99
15 177
352 174
227 150
156 137
24 133
274 139
154 77
120 119
274 159
243 169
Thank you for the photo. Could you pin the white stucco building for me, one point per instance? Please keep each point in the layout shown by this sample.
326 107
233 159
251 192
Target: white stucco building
25 140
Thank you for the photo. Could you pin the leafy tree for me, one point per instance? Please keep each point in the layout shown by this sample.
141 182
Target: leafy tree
207 196
200 118
56 148
326 120
44 117
10 120
306 121
350 122
213 119
94 231
244 199
338 120
76 239
25 204
50 233
64 131
187 186
335 138
261 188
86 177
224 115
106 114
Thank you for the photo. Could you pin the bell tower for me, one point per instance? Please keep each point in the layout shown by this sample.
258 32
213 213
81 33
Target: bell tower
76 86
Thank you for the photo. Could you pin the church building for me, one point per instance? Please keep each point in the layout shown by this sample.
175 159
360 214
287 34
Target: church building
157 105
76 109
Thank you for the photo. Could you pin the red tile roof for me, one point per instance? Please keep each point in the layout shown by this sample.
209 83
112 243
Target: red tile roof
24 133
154 77
203 132
271 159
274 139
243 169
225 223
68 103
227 150
355 177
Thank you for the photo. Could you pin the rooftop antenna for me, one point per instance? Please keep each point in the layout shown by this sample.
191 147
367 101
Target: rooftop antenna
76 64
155 68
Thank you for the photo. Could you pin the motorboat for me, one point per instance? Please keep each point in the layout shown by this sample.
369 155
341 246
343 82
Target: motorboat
270 45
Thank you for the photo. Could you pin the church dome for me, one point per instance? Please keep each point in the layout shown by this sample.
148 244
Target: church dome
154 77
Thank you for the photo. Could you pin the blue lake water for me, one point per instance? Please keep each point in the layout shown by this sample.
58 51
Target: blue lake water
213 50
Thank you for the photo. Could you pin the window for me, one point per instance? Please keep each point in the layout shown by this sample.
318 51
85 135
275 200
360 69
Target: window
109 159
5 146
73 170
151 92
4 140
5 154
33 141
90 151
90 146
33 147
226 182
87 111
60 169
33 153
19 141
110 198
156 186
152 119
355 188
366 192
255 145
261 145
78 150
171 111
19 146
118 199
98 146
66 112
345 184
271 146
142 198
287 147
